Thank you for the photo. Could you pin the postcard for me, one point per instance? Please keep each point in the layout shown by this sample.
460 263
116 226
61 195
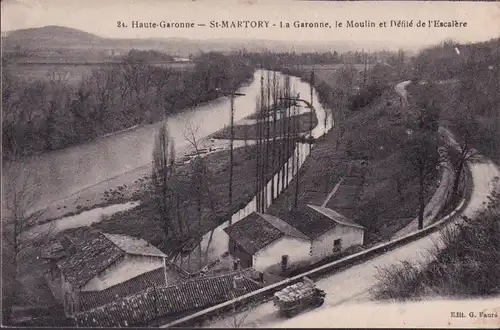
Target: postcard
250 163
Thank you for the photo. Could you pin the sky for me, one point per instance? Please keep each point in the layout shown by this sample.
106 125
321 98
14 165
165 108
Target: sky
100 17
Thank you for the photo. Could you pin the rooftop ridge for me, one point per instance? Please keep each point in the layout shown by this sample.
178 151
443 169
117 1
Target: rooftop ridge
321 210
110 237
294 231
237 272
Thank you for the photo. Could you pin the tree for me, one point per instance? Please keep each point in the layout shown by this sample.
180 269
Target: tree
137 81
21 206
421 155
341 95
162 190
21 197
466 128
200 183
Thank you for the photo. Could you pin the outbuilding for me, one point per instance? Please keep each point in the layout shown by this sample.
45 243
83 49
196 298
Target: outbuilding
302 235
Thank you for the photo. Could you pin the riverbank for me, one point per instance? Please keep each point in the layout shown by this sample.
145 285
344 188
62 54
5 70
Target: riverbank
105 102
123 162
215 208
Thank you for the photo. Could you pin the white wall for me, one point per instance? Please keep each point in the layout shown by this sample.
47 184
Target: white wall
323 246
123 270
67 296
296 249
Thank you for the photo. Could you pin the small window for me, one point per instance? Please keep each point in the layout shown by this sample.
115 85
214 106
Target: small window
284 261
337 244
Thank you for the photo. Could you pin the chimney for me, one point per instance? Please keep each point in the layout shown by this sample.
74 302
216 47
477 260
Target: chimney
238 282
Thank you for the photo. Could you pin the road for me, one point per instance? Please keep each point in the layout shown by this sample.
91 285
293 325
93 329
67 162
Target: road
435 205
438 200
423 314
354 284
401 90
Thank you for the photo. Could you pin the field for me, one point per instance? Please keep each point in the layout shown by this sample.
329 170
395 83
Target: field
323 68
72 73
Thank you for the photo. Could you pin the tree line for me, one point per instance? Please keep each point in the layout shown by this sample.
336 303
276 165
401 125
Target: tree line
51 114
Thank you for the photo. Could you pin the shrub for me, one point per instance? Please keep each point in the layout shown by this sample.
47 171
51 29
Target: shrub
463 263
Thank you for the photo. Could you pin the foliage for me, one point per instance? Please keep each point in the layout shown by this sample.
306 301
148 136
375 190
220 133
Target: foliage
51 114
162 187
465 265
365 96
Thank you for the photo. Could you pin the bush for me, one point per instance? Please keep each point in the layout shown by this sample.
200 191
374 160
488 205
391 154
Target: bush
464 263
365 97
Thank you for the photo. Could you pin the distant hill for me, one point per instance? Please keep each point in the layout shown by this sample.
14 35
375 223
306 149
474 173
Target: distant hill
65 39
51 36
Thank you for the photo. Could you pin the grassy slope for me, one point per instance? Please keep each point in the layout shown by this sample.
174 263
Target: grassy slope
468 265
374 134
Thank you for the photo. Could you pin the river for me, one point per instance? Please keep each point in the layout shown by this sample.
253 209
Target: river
215 243
82 173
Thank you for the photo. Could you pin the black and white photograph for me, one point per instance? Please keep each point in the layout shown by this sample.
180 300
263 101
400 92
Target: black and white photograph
250 164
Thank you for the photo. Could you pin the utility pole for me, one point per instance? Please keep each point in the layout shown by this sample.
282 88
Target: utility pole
273 160
267 123
297 162
231 151
364 72
258 148
261 150
312 107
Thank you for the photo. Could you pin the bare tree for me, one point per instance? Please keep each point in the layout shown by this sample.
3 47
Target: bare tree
21 197
201 182
421 154
466 128
22 209
137 78
342 91
162 172
231 155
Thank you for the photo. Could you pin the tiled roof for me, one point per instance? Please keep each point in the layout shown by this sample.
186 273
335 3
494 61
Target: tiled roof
53 250
335 216
156 302
93 299
90 251
283 226
253 233
134 245
93 254
308 221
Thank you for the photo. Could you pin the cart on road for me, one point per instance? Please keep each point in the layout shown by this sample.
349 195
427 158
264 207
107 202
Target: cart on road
297 297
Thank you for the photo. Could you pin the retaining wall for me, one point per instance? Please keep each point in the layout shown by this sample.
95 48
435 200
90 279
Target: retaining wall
331 268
